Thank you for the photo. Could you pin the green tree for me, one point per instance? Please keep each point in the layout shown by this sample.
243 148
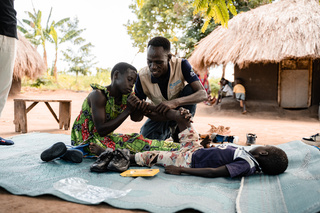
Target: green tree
80 60
155 17
217 10
184 30
103 70
194 31
69 31
34 32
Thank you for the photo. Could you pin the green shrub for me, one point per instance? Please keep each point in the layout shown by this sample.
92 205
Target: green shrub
214 85
67 81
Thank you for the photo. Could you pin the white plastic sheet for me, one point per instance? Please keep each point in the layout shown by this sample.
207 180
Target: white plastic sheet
79 189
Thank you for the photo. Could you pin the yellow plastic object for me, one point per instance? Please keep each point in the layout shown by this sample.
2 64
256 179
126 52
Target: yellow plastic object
140 173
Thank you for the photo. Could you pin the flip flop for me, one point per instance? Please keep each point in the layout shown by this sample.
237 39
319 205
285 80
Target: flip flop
5 141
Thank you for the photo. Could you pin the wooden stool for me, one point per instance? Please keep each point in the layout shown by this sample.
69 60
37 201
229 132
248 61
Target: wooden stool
20 112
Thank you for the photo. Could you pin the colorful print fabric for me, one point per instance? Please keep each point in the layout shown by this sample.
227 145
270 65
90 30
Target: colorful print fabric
190 143
84 130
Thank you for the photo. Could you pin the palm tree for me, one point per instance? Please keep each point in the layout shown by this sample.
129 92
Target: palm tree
71 32
37 34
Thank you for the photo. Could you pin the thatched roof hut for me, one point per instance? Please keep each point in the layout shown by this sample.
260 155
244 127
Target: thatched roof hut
28 63
269 33
275 49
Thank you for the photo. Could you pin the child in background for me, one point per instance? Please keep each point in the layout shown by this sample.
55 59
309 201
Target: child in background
239 92
225 90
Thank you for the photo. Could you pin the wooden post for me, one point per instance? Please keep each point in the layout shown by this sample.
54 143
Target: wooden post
223 70
64 115
20 116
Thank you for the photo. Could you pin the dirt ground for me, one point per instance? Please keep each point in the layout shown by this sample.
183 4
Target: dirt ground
270 128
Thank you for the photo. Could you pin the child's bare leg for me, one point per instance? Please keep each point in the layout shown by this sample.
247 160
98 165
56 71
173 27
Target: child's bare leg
241 103
244 108
181 116
96 149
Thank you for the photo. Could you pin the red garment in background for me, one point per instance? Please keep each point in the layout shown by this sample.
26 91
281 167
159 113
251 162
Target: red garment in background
205 83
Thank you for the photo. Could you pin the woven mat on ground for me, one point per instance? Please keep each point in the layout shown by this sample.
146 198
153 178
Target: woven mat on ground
23 173
296 190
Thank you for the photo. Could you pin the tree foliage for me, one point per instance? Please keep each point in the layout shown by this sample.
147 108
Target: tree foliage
64 30
69 30
155 18
218 10
80 60
34 31
183 22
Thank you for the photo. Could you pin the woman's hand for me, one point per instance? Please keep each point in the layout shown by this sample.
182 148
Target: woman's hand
133 102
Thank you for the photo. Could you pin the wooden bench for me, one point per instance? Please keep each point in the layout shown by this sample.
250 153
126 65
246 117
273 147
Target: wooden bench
20 112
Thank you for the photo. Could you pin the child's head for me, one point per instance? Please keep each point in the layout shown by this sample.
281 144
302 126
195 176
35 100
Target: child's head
122 68
123 77
272 160
238 81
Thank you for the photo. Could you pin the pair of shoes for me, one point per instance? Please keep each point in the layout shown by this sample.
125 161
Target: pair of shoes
5 141
59 150
101 165
109 160
313 138
251 139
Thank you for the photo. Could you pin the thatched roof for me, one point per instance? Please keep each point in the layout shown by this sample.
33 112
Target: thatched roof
269 33
28 61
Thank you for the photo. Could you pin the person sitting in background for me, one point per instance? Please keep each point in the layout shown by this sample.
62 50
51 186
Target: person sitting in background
225 90
206 84
239 92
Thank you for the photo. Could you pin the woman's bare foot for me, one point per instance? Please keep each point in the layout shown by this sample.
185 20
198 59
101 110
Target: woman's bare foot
96 149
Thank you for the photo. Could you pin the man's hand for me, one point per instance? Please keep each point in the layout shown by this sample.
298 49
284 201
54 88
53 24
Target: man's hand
144 107
164 106
174 170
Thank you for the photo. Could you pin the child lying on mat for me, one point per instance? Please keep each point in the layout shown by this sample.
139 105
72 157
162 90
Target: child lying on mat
192 158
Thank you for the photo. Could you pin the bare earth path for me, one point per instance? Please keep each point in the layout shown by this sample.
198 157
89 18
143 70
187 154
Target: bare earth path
270 128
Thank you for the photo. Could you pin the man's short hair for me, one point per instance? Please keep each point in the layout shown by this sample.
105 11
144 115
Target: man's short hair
160 41
275 163
122 67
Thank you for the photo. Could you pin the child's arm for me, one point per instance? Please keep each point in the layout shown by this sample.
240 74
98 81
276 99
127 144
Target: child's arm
221 171
104 126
